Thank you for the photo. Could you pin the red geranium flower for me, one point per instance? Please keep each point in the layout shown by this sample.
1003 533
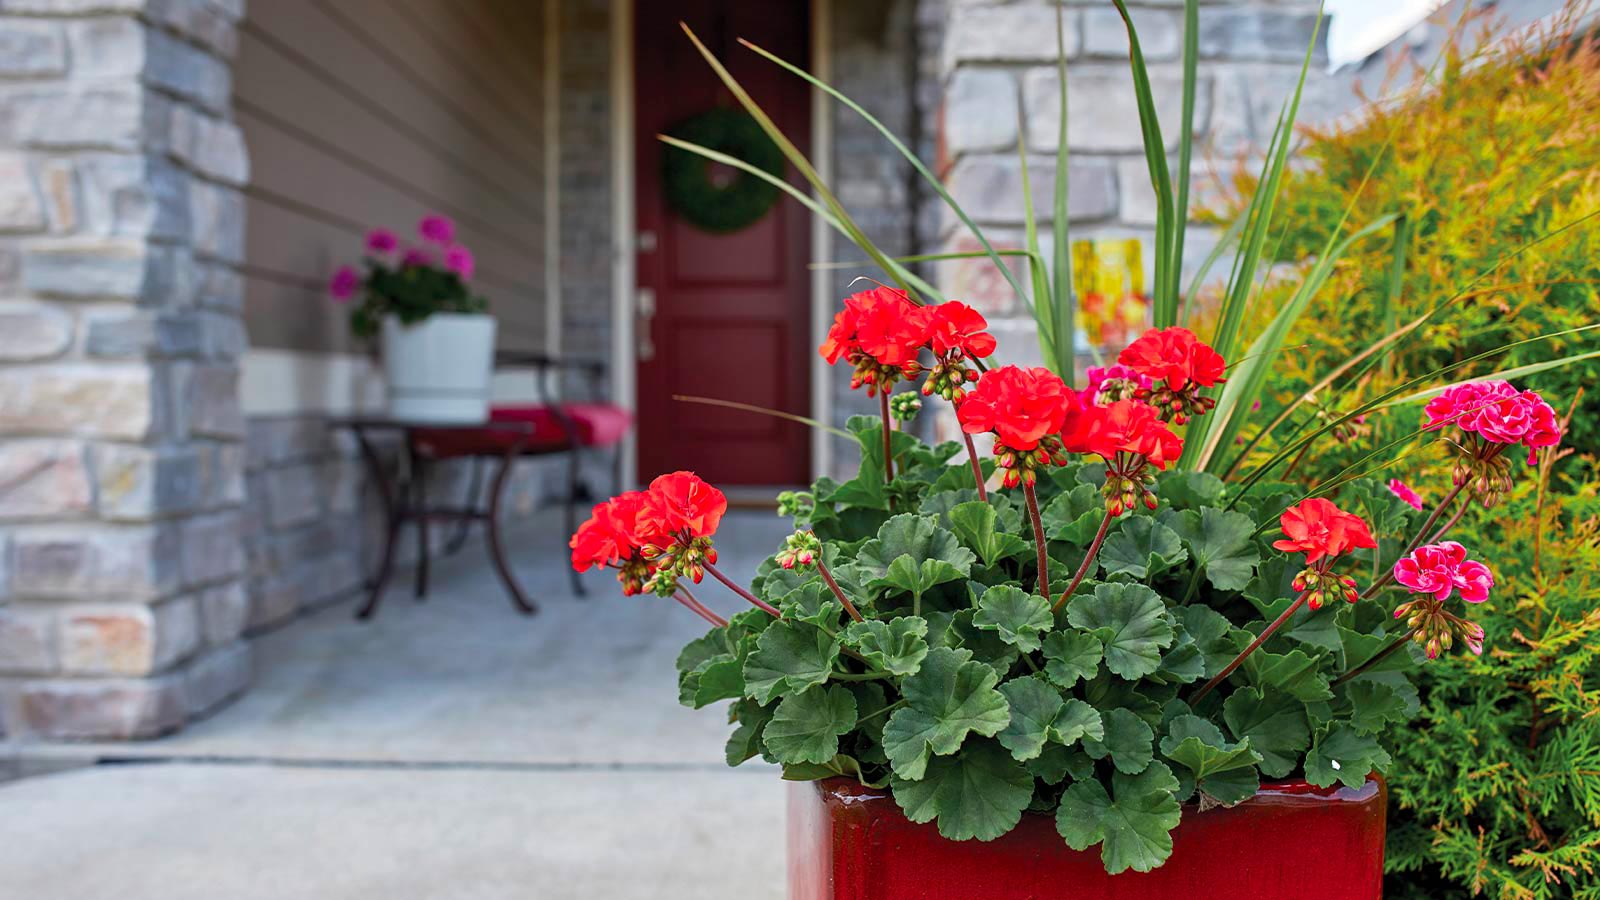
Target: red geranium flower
680 502
1021 406
955 327
892 329
1173 355
607 536
1320 530
1126 426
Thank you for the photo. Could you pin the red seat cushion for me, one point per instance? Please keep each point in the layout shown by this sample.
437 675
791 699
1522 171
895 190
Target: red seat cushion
597 424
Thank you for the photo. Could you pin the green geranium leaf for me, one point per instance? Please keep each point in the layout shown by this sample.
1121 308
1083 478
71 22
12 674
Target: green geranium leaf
718 678
1189 490
1222 543
814 604
980 793
806 727
986 646
912 553
1132 824
896 646
1142 547
1343 755
1273 722
1128 740
746 740
697 651
1358 648
789 656
773 582
1211 634
950 696
976 524
1070 656
1075 515
1039 716
1130 620
1294 673
1018 616
1229 788
1374 705
1271 592
1198 745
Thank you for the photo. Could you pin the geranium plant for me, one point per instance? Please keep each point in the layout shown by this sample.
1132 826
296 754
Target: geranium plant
408 281
1103 637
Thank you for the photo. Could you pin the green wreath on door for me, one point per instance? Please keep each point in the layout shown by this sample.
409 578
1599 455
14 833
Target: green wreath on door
686 176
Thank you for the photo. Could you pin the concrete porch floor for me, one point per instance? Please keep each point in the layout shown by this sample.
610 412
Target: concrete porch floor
446 749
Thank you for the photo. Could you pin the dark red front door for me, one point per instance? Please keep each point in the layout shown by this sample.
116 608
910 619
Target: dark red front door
723 315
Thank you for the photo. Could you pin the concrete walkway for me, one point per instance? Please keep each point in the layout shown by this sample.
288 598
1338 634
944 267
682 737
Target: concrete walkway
447 749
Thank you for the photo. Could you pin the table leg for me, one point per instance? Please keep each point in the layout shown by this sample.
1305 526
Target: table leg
394 517
419 494
497 552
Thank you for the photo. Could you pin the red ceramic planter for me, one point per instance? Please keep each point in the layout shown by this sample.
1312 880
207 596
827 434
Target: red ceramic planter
1291 841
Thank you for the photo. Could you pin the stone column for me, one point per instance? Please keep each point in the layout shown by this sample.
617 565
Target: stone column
1001 87
121 462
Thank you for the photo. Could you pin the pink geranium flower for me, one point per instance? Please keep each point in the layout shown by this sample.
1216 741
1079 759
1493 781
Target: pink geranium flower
436 228
1496 412
458 259
1404 492
382 241
1442 568
343 284
416 256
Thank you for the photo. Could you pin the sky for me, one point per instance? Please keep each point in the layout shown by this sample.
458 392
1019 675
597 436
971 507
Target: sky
1360 27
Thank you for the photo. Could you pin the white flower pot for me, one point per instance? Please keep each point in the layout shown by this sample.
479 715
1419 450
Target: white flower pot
438 370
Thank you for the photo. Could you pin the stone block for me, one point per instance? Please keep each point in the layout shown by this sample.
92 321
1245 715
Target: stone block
72 7
44 480
222 336
293 495
114 269
343 482
208 22
108 47
217 677
120 563
216 221
31 48
127 195
1269 35
33 331
212 399
108 115
188 71
1103 111
980 111
21 205
1012 33
212 549
128 638
137 483
978 281
111 401
1160 32
224 613
102 710
213 147
989 188
218 285
330 578
220 471
273 602
27 641
58 185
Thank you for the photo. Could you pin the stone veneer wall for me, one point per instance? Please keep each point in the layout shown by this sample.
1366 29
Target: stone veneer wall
121 455
998 66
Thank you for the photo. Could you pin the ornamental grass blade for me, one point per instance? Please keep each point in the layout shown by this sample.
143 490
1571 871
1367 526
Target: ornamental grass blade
1065 319
1043 303
1165 305
1497 375
1249 378
801 163
1180 213
933 180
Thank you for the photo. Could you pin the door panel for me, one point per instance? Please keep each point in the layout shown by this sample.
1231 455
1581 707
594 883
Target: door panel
730 317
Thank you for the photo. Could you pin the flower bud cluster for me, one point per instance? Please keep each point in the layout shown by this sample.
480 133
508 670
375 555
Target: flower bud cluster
1436 628
800 549
1322 586
1021 466
948 378
905 406
1122 491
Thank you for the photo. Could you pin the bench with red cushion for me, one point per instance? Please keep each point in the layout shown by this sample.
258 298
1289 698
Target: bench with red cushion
596 424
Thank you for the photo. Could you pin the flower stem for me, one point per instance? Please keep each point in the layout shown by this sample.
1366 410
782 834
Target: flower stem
857 676
1262 639
888 452
887 709
1378 657
698 608
762 604
1088 560
834 586
977 469
1416 541
1038 537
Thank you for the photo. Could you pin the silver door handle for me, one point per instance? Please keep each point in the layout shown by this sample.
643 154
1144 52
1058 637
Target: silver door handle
645 313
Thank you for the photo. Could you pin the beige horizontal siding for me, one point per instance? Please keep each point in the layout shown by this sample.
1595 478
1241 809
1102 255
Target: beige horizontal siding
360 113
